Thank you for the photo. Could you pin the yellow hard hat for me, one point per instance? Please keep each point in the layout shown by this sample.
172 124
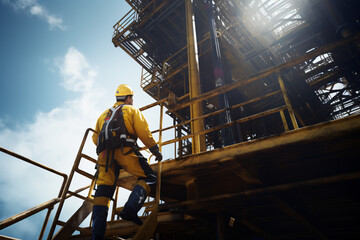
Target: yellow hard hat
123 90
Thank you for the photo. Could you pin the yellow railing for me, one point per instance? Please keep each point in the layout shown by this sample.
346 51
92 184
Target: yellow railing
75 169
148 80
125 22
178 60
66 192
241 83
128 19
47 205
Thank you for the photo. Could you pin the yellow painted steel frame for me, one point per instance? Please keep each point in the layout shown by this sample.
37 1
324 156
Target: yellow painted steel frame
267 72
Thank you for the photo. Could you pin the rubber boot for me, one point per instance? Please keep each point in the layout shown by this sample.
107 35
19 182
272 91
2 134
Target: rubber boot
99 222
133 205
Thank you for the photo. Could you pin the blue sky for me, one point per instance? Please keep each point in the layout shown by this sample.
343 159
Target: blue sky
30 44
58 73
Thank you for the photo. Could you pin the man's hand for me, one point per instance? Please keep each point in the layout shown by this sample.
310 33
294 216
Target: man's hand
155 151
158 156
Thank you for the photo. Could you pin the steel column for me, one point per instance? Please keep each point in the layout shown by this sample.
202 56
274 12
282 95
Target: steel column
287 101
198 143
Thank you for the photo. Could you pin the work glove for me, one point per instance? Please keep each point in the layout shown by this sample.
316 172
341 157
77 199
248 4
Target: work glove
158 156
156 152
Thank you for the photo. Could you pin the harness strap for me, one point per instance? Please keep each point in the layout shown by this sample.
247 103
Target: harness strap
107 159
108 142
96 176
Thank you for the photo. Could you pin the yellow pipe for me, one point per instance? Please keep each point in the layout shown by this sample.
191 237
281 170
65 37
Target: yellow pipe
198 142
158 183
287 101
286 127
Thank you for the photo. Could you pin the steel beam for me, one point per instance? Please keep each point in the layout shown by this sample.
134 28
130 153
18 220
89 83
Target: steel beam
315 133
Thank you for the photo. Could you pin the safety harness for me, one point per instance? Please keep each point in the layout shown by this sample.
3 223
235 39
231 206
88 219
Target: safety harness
114 135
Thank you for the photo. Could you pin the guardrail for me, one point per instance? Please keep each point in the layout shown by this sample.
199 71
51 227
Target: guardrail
174 107
47 205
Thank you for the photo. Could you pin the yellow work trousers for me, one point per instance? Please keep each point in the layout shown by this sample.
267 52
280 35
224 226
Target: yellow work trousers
134 163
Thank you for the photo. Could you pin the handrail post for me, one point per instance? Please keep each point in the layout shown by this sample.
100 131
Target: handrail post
63 197
287 101
45 222
282 115
158 183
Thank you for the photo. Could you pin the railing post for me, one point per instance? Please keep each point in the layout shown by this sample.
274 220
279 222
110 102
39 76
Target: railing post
63 197
286 127
45 222
287 101
158 183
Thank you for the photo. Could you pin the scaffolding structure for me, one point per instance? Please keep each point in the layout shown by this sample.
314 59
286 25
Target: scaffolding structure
262 71
264 97
240 39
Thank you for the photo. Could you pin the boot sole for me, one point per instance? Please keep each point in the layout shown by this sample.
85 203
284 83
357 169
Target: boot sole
134 219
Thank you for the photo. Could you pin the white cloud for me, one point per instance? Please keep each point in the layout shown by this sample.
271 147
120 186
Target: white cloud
20 4
37 10
77 75
34 8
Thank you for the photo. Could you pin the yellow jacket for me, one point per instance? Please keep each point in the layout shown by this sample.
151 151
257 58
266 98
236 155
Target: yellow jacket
135 124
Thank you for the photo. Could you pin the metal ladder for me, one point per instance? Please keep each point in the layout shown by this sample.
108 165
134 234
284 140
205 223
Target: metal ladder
146 231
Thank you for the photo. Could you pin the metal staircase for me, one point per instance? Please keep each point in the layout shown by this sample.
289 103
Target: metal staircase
73 223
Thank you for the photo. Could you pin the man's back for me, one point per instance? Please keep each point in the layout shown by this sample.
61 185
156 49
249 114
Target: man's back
135 124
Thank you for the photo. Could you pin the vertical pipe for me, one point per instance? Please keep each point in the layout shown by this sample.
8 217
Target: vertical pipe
286 127
198 142
287 101
158 183
220 228
180 141
67 186
115 204
142 78
335 18
45 222
225 117
174 123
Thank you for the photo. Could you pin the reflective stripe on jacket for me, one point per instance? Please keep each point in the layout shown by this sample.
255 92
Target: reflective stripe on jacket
135 124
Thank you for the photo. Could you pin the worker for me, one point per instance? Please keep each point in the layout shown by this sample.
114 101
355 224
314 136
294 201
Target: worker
126 157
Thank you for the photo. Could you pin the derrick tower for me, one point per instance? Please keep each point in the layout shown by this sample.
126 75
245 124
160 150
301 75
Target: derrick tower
264 98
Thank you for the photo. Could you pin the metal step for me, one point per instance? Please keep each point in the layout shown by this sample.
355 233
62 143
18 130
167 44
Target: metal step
126 229
74 222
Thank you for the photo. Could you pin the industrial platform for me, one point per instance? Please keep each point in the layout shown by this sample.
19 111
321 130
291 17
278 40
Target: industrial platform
264 96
